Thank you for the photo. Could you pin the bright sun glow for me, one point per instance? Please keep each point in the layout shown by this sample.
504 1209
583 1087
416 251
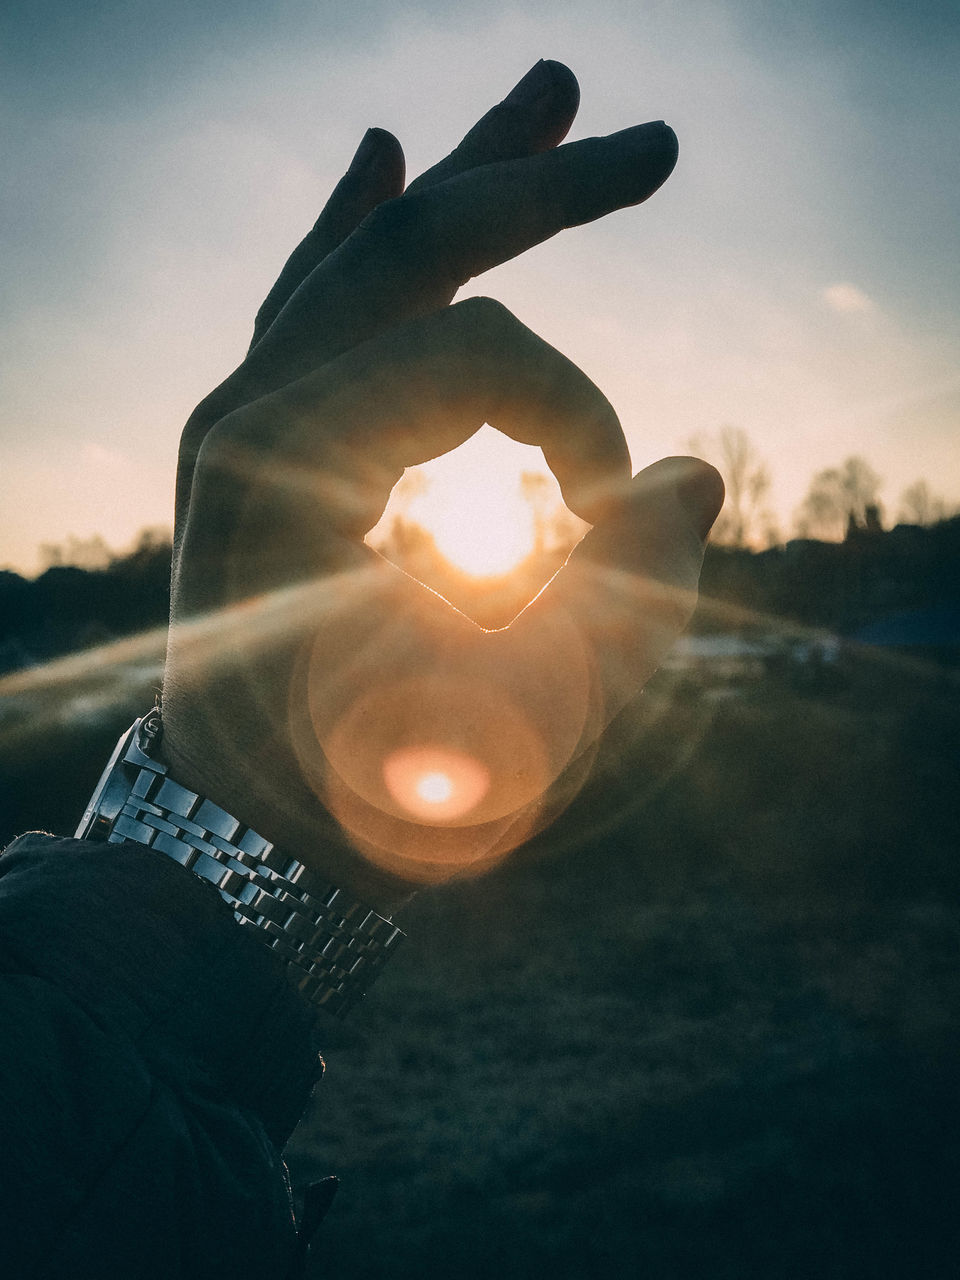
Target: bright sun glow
482 543
478 503
435 783
435 788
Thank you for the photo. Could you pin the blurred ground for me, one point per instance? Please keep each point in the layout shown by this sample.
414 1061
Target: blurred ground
706 1028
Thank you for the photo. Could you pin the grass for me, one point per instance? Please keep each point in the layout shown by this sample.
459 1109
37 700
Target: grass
705 1027
715 1040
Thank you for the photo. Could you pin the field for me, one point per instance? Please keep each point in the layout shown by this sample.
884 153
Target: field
706 1027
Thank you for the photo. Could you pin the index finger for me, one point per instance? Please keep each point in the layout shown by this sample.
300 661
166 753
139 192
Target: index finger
409 257
630 586
413 253
341 437
535 115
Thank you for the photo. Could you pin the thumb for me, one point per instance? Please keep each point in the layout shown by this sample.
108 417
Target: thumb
630 587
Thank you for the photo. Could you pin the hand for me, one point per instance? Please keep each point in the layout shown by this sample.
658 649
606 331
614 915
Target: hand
312 688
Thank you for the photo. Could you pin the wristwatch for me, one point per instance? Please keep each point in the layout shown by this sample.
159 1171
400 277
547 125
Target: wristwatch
337 946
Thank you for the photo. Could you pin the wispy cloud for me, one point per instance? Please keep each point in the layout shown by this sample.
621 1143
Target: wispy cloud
157 179
848 299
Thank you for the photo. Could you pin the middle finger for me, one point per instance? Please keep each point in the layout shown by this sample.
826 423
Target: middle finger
413 253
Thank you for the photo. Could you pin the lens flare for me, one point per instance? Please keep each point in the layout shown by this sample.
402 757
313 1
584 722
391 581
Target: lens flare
435 788
435 783
485 505
424 735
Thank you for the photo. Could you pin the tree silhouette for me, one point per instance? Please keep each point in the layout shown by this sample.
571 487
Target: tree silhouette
745 519
536 489
919 506
840 499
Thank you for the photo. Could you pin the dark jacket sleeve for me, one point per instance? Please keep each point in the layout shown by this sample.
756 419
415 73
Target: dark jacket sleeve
153 1061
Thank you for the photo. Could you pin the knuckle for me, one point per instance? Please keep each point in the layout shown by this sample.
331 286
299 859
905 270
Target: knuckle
501 134
215 447
486 313
412 233
205 416
228 442
191 440
394 225
488 323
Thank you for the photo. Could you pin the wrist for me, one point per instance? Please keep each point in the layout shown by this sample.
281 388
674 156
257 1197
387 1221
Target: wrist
334 945
245 772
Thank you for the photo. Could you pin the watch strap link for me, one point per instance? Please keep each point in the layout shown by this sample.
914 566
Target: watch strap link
336 945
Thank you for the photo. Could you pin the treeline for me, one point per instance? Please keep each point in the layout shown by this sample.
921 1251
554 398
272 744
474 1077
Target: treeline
872 574
68 607
843 586
838 498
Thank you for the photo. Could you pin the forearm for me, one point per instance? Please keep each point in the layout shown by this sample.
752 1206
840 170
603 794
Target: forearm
154 1061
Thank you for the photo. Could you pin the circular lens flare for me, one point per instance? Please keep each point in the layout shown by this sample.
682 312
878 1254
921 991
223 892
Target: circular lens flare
435 783
435 788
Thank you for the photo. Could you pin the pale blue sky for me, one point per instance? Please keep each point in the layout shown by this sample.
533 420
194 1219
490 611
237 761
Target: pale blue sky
798 275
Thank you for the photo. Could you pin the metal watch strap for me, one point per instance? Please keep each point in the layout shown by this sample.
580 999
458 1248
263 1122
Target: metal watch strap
339 945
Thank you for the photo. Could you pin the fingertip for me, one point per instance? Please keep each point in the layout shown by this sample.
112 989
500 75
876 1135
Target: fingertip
591 460
614 172
392 164
379 158
549 95
697 485
657 146
597 485
670 144
387 143
566 87
702 492
563 106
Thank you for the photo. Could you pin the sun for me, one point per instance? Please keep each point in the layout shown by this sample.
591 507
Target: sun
476 504
435 783
435 788
482 528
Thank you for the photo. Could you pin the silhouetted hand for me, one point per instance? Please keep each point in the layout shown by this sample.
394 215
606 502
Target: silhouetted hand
330 701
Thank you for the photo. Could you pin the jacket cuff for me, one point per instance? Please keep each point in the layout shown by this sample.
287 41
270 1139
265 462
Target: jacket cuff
154 951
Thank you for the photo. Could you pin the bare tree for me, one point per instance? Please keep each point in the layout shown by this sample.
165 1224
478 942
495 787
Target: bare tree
153 537
394 533
840 499
555 527
81 553
745 519
51 555
919 506
536 489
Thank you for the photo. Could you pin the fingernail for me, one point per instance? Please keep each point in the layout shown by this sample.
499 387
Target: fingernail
642 157
368 152
324 1193
700 490
655 133
316 1202
536 85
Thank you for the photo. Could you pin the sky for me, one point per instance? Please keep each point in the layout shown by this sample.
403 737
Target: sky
798 276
